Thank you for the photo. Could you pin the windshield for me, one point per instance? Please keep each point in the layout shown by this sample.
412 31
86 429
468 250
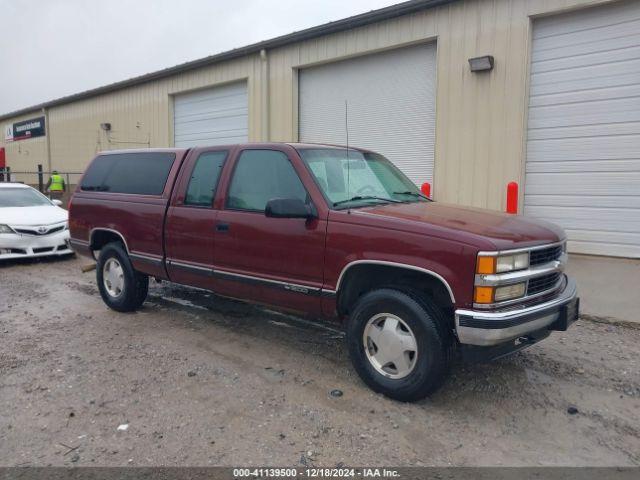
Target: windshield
358 179
22 197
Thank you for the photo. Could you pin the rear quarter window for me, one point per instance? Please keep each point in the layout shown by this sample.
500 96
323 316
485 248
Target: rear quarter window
142 173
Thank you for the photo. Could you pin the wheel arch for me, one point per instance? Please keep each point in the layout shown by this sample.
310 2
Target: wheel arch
99 237
362 276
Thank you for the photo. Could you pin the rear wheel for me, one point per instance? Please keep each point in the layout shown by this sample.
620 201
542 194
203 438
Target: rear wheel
399 344
121 287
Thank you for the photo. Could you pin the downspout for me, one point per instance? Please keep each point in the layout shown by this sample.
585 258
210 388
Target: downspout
47 132
264 94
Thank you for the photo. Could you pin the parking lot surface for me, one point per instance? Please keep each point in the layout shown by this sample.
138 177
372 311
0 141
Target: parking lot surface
194 379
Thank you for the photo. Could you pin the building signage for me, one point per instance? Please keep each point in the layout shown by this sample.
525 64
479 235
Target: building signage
31 128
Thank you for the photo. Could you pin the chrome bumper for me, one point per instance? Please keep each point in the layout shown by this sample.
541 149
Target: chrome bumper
492 328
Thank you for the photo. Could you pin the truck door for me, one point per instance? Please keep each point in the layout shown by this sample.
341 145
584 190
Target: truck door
277 261
189 227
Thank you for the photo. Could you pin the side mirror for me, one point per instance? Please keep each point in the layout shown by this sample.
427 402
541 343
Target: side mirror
57 202
289 208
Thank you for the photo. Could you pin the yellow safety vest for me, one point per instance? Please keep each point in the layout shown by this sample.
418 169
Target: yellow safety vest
57 183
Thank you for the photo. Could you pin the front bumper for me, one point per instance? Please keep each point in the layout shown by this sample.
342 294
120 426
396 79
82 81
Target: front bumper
27 246
492 328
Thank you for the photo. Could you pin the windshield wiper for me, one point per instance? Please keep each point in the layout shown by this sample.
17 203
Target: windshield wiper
413 194
366 197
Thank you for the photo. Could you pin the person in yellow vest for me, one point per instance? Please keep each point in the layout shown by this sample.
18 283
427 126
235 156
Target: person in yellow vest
56 186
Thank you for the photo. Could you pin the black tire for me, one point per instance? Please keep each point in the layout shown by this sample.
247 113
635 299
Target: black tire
136 285
432 337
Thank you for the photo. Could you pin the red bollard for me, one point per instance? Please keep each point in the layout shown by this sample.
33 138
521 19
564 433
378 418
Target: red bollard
426 189
512 197
3 163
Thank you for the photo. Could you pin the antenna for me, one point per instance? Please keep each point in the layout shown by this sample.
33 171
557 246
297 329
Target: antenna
346 128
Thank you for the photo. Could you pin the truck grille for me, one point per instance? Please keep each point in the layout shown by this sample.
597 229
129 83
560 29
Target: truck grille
545 282
545 255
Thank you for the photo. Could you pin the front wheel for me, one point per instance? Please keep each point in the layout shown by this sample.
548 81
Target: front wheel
398 344
121 287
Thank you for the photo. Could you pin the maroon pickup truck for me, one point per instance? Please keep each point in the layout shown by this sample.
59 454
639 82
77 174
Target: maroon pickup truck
329 232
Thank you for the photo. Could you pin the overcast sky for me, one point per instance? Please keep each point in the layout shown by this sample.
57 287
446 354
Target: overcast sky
52 48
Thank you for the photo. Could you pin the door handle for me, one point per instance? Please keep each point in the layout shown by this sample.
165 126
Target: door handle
222 227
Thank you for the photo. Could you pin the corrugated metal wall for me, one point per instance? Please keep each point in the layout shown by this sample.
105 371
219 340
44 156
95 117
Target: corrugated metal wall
480 118
140 116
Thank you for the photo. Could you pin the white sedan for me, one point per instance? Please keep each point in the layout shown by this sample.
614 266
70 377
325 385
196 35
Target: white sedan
31 225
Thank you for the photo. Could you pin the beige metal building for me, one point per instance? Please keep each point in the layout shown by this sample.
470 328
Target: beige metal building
558 112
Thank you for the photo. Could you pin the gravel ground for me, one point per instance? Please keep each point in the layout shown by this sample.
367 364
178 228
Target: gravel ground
200 380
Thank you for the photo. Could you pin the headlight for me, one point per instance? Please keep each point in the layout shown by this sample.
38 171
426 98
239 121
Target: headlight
488 265
509 292
66 225
6 229
493 264
510 263
487 295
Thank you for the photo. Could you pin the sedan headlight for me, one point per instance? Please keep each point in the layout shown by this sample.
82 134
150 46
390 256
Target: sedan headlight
488 265
6 229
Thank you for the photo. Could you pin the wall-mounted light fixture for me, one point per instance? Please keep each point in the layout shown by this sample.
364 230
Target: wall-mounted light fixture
481 64
105 126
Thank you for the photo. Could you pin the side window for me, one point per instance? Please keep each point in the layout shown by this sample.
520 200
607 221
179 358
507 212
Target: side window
260 176
204 179
143 173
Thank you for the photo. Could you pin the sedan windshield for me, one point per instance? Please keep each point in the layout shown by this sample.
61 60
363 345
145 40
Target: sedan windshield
22 197
353 178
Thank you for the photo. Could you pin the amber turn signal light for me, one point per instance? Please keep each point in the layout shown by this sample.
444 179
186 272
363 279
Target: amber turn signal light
483 295
486 265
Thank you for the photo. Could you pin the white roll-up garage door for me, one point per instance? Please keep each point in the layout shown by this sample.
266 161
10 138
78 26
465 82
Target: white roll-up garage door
391 106
583 147
215 116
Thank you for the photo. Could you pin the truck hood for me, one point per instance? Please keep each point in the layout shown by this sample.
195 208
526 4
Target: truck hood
40 215
483 228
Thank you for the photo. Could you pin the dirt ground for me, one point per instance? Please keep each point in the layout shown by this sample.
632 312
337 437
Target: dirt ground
200 380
